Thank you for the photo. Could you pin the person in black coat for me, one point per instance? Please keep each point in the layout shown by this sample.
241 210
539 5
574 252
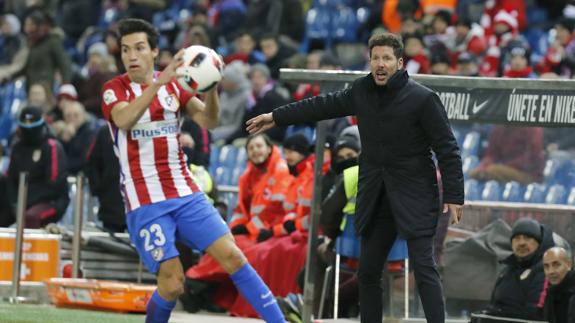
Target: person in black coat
103 172
45 161
400 123
519 290
560 300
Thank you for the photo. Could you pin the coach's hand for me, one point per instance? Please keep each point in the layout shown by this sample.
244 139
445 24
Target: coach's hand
455 210
260 123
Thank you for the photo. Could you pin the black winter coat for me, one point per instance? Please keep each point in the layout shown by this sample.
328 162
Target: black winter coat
560 301
519 288
399 124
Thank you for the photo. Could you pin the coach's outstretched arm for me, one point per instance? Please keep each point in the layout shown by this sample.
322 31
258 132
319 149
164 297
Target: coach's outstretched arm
321 107
125 115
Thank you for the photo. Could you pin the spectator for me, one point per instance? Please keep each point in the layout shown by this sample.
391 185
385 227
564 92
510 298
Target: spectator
416 61
469 37
66 96
47 54
266 96
98 70
519 66
76 134
297 203
195 142
520 288
277 17
560 56
262 188
197 35
112 45
13 48
40 95
513 154
103 172
226 16
245 50
235 95
467 65
46 163
275 53
440 63
560 299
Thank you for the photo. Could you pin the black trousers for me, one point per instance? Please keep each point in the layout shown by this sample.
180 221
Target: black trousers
375 246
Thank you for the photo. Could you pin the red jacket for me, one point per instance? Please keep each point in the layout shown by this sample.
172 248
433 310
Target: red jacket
261 194
297 204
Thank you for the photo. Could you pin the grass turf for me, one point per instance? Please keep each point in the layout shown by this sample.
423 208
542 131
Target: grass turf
27 313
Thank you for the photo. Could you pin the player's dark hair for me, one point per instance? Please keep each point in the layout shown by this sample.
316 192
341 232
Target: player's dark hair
131 25
387 39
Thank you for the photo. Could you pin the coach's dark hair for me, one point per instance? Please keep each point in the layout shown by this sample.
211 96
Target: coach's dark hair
387 39
131 25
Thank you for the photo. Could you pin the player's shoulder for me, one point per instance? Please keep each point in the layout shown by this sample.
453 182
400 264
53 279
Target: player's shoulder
119 81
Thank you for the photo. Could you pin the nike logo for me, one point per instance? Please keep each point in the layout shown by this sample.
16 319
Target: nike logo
476 108
264 296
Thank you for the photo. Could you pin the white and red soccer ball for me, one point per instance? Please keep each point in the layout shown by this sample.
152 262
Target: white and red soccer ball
201 70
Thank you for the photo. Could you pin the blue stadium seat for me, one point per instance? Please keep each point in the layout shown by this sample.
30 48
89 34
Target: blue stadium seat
535 193
557 194
471 144
552 171
235 176
491 191
512 192
227 157
223 175
344 25
472 190
571 197
242 157
214 162
469 164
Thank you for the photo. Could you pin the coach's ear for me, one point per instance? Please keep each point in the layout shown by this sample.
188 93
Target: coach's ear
156 52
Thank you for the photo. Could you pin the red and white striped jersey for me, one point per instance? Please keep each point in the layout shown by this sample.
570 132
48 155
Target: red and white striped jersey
153 165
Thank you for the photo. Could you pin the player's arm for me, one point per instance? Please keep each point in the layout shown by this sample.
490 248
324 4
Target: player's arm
125 115
206 114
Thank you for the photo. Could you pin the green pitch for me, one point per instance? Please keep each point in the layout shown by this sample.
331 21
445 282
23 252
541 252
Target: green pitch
26 313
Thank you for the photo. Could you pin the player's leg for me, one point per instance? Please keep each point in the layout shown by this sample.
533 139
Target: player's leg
170 280
247 281
153 232
200 225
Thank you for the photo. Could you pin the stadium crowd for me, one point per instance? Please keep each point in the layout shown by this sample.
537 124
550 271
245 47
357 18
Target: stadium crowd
56 55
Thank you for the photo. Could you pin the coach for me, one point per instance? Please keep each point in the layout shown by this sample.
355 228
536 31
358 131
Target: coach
400 123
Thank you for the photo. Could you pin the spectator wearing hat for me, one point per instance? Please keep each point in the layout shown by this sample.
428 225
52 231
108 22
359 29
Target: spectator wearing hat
234 99
520 289
467 65
297 203
519 66
76 135
560 300
46 163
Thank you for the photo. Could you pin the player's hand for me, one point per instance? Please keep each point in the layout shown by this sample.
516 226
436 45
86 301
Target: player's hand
260 123
455 210
169 73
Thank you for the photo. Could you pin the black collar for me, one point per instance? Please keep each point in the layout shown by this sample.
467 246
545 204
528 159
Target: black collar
396 81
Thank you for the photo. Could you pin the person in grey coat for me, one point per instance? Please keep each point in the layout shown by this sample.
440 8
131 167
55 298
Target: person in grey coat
234 100
400 123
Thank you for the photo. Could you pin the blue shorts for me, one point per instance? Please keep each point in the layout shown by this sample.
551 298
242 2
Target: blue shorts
191 219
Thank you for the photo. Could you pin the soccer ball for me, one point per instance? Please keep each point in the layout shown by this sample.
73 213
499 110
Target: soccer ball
201 69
